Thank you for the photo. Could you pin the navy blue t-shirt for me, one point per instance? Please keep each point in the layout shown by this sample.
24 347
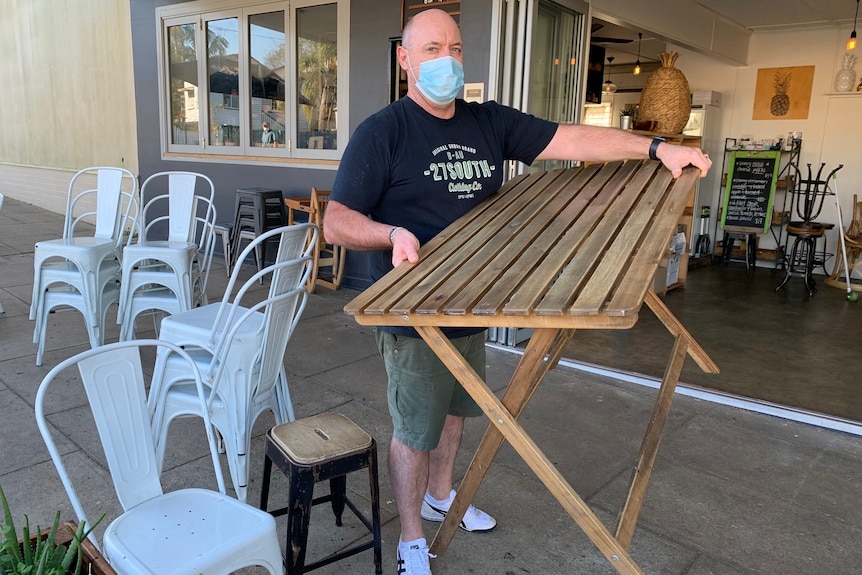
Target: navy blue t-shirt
407 168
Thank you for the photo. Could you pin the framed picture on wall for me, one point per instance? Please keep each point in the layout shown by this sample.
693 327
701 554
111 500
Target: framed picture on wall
783 93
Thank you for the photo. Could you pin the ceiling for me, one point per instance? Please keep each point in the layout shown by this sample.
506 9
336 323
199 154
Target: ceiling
621 42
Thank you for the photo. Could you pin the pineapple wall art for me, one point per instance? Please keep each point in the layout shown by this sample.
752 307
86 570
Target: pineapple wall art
783 93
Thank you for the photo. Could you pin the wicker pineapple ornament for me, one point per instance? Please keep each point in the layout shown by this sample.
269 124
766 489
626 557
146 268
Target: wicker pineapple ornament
666 97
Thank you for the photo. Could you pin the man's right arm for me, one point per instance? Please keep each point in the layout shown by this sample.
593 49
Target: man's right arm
355 231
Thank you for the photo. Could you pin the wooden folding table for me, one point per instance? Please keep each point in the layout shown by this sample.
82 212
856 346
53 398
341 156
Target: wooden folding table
554 251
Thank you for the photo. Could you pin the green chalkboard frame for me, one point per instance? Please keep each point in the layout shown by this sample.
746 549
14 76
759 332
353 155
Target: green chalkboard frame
770 179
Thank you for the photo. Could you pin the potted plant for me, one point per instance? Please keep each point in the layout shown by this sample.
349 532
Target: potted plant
627 116
61 550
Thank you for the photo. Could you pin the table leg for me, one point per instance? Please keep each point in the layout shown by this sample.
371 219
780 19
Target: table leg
500 417
646 458
532 368
685 345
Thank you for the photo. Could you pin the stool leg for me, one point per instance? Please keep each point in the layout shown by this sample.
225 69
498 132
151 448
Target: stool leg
790 264
375 512
727 250
264 486
809 266
337 489
301 492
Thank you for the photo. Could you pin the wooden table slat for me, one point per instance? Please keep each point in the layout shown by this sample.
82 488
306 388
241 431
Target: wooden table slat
480 243
522 251
580 220
615 265
644 264
375 300
599 228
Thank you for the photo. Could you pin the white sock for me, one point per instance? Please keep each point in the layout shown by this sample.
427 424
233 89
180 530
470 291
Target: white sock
445 504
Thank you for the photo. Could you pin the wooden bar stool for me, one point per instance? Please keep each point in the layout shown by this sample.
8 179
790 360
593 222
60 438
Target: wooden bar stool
319 448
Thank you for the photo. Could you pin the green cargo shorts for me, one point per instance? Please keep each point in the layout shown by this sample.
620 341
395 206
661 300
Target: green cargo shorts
422 391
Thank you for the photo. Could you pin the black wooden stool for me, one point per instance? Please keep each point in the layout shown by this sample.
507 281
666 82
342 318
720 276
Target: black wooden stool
258 210
312 449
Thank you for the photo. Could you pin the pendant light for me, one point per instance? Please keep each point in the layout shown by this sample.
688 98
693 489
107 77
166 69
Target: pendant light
851 43
609 87
637 69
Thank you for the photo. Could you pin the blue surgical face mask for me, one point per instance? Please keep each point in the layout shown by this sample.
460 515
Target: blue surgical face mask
440 79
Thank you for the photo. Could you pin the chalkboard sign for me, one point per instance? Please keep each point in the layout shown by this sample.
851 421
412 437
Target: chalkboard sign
750 191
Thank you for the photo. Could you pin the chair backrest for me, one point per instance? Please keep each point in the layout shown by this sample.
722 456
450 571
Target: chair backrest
319 201
186 207
182 206
112 206
113 379
808 193
281 309
294 241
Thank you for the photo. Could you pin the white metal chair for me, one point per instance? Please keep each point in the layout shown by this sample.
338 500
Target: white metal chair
82 271
240 348
186 531
169 275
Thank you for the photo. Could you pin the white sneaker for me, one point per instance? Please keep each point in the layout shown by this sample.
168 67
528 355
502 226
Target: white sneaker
474 519
413 558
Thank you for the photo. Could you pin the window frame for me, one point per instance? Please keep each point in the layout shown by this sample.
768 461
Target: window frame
198 13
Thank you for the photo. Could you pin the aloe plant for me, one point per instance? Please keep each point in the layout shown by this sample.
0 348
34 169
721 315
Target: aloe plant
38 556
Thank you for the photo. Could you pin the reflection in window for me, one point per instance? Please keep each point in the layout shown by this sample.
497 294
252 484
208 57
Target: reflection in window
317 78
223 76
251 79
183 81
266 76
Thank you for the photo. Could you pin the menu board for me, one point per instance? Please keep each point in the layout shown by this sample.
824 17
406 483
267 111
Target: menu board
412 7
750 191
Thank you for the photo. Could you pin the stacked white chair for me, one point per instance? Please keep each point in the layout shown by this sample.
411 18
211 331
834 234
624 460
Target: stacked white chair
169 275
239 347
185 531
83 271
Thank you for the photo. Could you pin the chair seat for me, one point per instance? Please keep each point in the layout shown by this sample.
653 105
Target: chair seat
204 527
313 440
195 326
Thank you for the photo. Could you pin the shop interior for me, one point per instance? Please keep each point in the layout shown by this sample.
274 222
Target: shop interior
791 349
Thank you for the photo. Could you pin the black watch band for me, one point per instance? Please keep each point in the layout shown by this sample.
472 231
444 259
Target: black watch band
654 146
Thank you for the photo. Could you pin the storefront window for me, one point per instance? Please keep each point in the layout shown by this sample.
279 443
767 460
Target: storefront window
244 57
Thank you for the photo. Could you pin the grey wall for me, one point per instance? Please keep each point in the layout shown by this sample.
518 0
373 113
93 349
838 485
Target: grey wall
372 24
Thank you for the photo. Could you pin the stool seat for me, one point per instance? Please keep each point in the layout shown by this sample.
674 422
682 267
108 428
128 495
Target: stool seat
806 228
316 439
323 447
